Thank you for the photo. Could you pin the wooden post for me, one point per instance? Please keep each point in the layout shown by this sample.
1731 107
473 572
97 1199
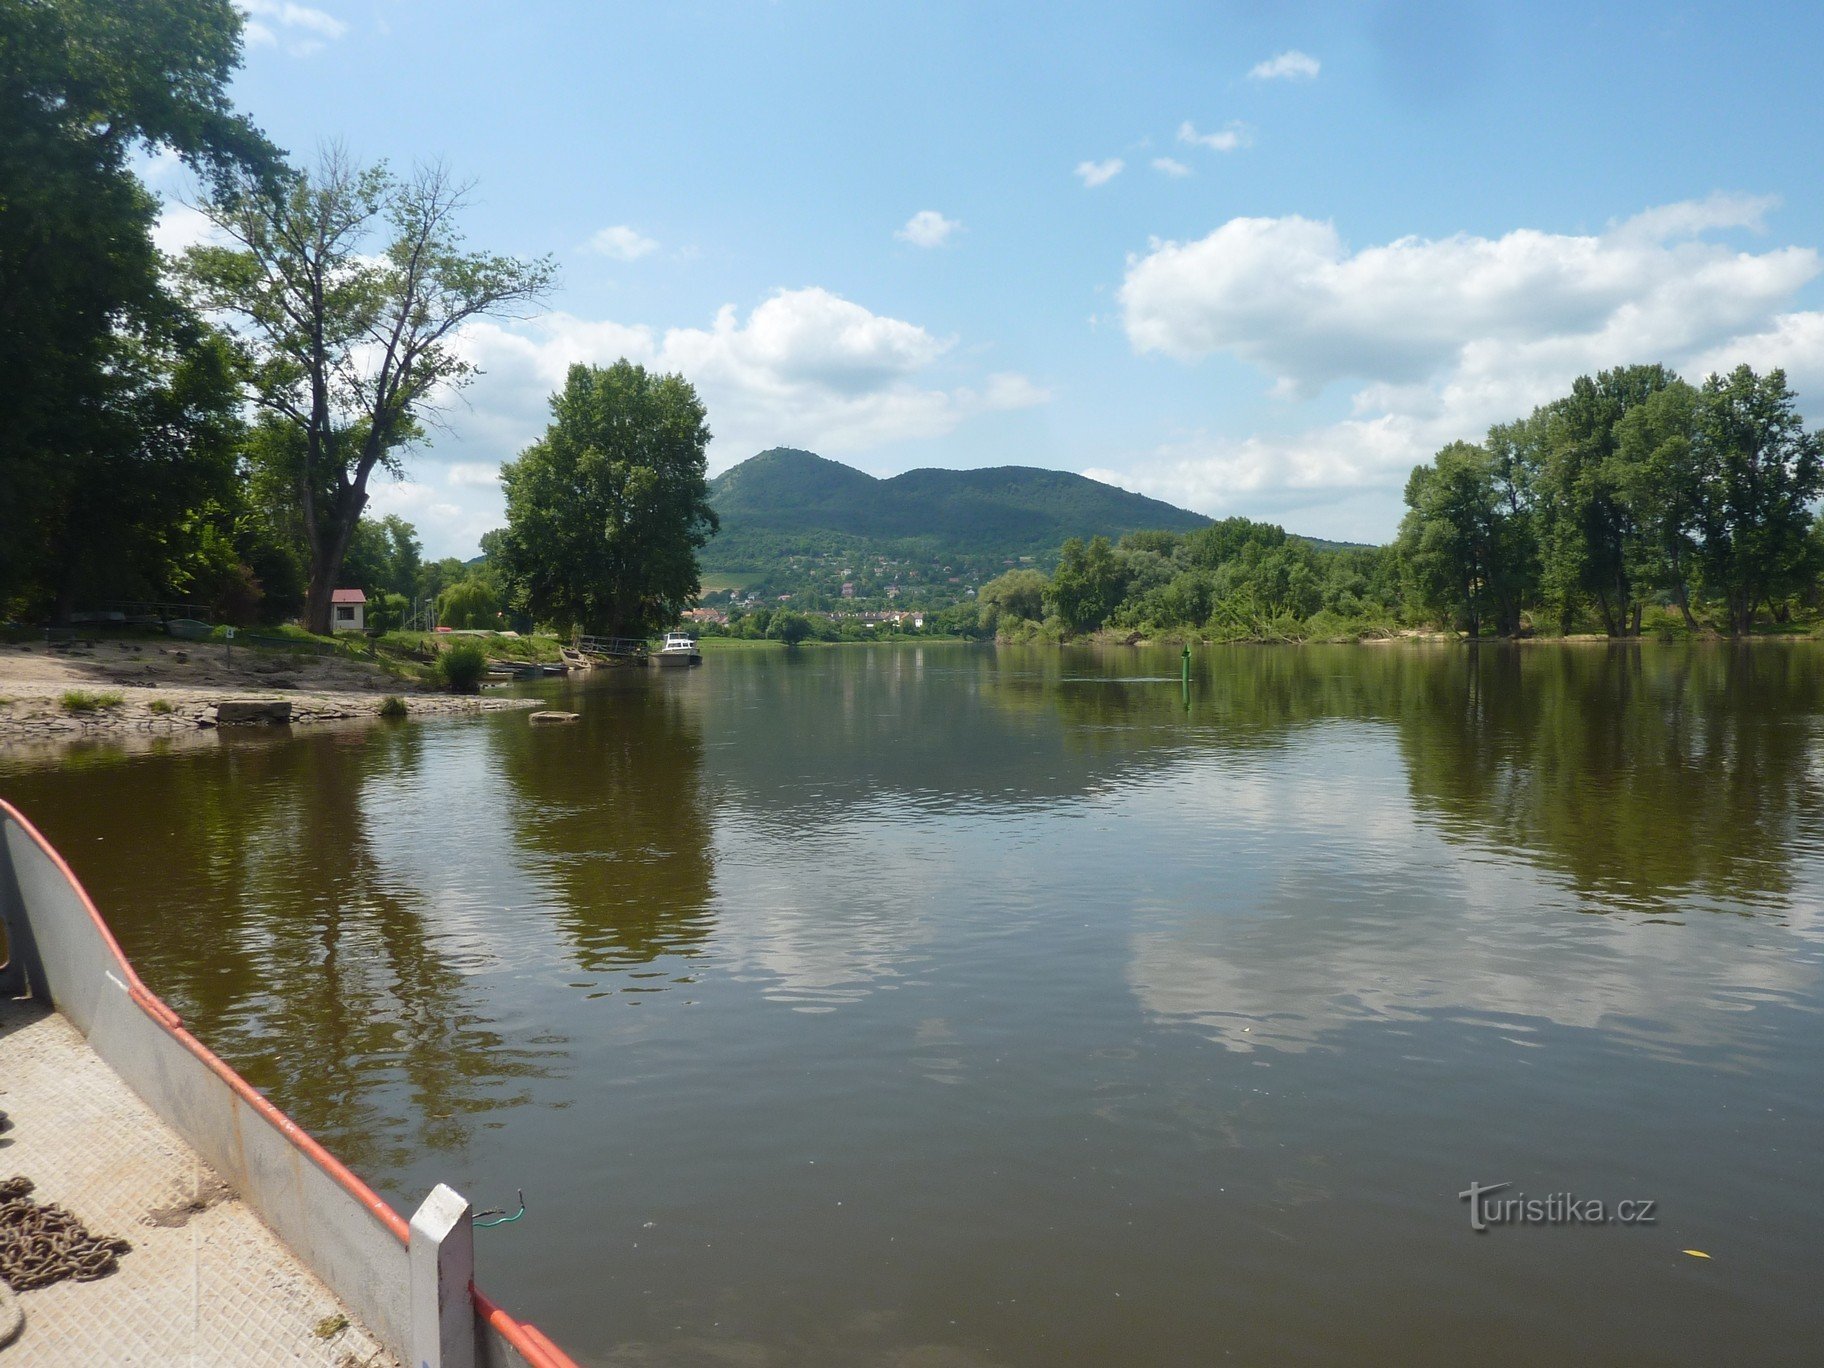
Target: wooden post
442 1253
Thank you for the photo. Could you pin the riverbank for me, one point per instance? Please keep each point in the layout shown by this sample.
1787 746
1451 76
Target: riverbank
145 687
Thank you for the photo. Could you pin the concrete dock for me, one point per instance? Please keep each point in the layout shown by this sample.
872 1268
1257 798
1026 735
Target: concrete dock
205 1282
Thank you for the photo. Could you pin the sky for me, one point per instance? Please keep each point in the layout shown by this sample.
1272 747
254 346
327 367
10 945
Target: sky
1250 258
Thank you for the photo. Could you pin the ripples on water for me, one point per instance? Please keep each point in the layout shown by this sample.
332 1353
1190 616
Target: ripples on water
972 1007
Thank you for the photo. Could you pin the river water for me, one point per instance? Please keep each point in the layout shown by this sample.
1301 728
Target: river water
952 1006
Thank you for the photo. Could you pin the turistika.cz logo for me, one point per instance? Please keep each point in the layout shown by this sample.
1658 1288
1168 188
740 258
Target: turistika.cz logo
1554 1209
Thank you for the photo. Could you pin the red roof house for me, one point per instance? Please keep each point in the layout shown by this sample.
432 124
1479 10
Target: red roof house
348 610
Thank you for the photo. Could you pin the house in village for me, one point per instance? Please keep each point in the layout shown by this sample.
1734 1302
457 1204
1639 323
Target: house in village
348 610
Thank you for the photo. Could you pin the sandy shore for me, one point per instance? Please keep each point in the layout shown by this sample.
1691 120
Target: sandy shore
167 689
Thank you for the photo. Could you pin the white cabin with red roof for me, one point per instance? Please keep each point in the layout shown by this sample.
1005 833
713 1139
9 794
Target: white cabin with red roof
348 610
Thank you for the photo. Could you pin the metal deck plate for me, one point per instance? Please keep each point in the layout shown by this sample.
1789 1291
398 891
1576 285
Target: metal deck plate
206 1282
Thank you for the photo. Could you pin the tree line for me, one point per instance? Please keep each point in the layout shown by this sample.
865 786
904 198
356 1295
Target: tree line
205 428
1635 497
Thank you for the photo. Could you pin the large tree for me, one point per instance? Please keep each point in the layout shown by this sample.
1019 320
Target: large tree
606 511
1659 480
1089 584
1586 519
1465 550
349 285
110 394
1760 472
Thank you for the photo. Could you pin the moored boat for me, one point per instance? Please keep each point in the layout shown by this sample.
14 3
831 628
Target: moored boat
679 651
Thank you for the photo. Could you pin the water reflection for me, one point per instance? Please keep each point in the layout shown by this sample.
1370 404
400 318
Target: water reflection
248 886
1428 842
612 826
976 985
1642 774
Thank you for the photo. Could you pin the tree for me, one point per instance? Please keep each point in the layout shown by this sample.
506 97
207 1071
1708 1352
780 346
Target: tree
472 603
384 557
789 627
1660 481
348 345
1463 549
1016 594
92 345
606 511
1760 472
1089 584
1587 522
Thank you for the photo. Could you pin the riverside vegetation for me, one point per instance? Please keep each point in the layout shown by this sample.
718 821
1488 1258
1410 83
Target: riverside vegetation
1636 502
177 437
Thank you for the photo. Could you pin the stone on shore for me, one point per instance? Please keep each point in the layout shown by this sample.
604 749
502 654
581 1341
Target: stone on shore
553 717
239 710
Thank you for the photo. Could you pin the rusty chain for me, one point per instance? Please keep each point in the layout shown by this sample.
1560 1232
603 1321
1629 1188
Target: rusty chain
40 1245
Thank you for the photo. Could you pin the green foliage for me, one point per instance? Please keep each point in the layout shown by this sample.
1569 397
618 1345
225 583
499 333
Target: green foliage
1760 472
160 707
462 667
383 557
1572 483
114 445
789 627
393 706
386 612
82 701
606 512
472 604
349 284
1017 596
1089 584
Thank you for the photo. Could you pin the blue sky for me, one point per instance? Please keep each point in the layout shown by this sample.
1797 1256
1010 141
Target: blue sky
1248 258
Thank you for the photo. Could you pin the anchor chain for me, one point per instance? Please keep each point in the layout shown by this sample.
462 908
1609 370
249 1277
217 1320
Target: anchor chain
40 1245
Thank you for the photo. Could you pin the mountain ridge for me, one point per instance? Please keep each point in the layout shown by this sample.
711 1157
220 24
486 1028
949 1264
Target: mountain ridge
786 501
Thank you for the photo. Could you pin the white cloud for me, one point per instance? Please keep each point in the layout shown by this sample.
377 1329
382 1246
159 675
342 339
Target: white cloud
1170 166
927 228
299 29
1094 173
805 368
1442 337
179 226
1291 65
622 243
1232 135
472 475
1792 342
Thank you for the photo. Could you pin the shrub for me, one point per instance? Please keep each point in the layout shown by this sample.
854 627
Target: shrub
392 706
160 706
462 667
81 701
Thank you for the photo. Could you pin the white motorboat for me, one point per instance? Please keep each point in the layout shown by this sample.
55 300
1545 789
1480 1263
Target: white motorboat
679 651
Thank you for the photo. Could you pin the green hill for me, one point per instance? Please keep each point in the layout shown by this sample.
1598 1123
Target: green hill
793 503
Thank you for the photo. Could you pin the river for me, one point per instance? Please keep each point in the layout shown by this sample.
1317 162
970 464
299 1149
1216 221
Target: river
951 1006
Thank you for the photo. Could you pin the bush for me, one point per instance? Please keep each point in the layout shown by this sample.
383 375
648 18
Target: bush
160 707
392 706
81 701
462 668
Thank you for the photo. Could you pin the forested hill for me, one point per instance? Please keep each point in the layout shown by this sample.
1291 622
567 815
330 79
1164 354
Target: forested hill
785 502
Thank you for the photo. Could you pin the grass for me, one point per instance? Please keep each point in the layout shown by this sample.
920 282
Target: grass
462 666
735 579
82 701
722 643
393 706
161 706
